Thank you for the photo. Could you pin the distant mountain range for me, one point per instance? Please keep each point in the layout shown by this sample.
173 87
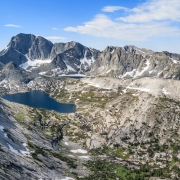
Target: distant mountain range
37 54
40 56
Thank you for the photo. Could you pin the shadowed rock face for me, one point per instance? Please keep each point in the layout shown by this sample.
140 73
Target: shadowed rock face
14 74
35 47
77 59
62 47
67 57
16 160
24 46
12 54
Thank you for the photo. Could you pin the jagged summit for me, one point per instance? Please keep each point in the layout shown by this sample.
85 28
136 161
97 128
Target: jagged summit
38 55
133 62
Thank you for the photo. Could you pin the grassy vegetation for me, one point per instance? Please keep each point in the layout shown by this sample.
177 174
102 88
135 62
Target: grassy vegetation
70 162
26 135
37 151
106 170
19 117
164 99
113 152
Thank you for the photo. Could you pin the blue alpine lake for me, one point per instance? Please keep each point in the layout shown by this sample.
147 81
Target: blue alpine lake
40 99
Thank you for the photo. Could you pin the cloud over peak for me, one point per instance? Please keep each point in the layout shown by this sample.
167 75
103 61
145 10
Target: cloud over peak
55 29
114 8
12 25
153 18
159 10
56 38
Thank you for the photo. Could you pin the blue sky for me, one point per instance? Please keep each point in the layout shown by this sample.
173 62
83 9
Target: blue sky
152 24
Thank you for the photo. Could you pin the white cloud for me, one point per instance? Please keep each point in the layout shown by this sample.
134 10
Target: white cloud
159 10
12 25
55 38
56 29
155 18
103 26
114 8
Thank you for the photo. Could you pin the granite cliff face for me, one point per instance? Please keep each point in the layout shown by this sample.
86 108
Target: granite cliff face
131 62
40 56
10 54
14 77
37 54
24 46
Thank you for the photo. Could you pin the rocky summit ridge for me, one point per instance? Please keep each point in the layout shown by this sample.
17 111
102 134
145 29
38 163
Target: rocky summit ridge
132 62
37 54
40 56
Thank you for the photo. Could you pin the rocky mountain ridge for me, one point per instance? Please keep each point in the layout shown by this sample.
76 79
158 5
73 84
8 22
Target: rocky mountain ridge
132 63
34 52
40 56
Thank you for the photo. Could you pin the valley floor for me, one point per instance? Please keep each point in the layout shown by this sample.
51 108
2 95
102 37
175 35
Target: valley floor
122 129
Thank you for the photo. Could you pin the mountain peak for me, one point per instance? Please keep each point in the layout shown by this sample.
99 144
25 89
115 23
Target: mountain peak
10 65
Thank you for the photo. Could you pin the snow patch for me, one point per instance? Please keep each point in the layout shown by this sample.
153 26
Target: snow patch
72 75
139 73
2 129
85 60
130 73
42 73
83 157
25 153
4 81
30 84
108 71
164 91
79 151
69 68
67 178
12 149
159 73
174 61
101 68
5 135
24 144
141 51
66 143
70 155
34 63
4 50
95 85
139 89
112 51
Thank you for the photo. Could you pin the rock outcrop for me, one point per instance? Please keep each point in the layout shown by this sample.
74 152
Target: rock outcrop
37 54
131 62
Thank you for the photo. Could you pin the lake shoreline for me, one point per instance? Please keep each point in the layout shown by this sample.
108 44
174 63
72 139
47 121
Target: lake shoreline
40 99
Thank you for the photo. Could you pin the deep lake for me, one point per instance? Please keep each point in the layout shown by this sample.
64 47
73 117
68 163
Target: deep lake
40 99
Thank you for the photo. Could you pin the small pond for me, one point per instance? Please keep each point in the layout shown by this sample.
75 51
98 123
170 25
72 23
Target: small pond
40 99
